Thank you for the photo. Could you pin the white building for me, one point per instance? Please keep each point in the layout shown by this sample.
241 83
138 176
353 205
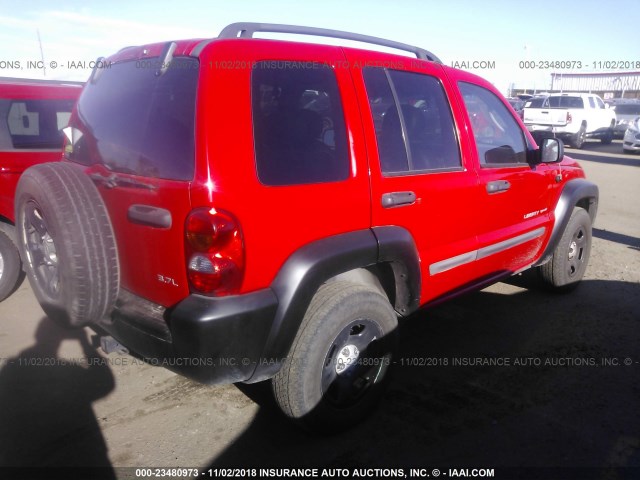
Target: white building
625 84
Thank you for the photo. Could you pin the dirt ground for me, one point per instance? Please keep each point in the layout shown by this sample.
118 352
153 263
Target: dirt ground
567 392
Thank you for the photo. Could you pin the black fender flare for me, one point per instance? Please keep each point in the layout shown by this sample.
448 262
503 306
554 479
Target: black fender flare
312 265
397 248
577 192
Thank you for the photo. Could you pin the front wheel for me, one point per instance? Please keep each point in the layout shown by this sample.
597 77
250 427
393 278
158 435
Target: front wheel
569 262
336 370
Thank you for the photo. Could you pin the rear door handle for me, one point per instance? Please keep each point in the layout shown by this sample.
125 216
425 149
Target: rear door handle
149 216
398 199
498 186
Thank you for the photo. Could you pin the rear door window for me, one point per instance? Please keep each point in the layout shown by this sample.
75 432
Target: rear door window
298 122
413 121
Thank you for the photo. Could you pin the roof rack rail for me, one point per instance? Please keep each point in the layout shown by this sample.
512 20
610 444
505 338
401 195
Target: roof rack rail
247 30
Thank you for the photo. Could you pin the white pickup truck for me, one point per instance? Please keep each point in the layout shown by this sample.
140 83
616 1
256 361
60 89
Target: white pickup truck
573 117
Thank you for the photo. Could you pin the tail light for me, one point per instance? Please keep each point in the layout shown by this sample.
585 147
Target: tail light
214 252
569 118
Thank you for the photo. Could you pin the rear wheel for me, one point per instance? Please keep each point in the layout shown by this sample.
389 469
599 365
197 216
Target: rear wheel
336 370
11 274
607 138
569 262
579 138
67 243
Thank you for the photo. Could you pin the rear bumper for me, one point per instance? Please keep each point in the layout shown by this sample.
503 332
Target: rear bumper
211 340
536 127
565 131
549 130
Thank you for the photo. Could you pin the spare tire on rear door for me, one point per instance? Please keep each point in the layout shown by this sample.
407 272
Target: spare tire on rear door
67 243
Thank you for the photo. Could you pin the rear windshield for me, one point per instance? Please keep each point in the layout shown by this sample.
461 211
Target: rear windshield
536 102
135 121
33 124
566 102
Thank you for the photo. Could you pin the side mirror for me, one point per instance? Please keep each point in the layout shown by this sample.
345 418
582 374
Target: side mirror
551 150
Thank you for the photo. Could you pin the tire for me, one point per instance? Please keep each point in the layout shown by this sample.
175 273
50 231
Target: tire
578 139
571 256
325 385
67 244
11 274
608 136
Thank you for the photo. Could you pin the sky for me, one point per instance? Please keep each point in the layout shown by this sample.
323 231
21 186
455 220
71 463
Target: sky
494 36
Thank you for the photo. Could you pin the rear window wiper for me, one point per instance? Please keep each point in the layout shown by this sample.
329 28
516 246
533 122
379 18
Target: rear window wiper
113 180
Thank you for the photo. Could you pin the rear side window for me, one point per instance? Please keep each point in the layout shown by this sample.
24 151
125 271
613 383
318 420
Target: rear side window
298 124
413 122
36 124
134 121
499 138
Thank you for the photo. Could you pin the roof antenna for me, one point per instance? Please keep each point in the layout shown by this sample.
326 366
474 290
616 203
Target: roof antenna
44 67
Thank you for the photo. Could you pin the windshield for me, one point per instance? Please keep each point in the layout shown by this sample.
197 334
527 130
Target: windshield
134 121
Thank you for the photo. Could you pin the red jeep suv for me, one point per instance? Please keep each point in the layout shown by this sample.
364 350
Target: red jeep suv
32 114
243 209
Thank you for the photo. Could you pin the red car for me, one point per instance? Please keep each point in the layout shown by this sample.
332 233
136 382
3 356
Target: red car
32 114
243 209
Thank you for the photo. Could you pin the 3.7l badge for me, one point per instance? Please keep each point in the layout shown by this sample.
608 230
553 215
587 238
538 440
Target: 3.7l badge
166 280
